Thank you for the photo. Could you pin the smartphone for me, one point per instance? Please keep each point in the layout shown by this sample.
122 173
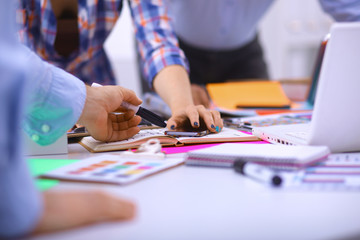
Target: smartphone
186 134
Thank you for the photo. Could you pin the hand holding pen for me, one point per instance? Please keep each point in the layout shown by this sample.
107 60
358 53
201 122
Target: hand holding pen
140 111
98 117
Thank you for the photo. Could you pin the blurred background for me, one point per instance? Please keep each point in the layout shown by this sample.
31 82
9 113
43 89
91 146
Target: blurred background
291 33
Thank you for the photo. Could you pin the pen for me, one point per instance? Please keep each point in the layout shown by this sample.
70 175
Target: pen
258 172
142 112
245 127
238 124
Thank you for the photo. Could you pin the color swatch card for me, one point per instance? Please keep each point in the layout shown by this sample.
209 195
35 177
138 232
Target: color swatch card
114 169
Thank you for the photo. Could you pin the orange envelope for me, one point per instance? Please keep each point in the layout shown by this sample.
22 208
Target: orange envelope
248 94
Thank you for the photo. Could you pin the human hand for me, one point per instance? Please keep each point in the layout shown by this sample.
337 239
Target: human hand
200 96
67 210
173 85
195 118
98 116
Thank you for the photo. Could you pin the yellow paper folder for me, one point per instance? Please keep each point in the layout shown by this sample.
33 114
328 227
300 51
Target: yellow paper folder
248 94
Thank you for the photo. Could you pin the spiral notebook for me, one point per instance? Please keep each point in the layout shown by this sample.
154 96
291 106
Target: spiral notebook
274 156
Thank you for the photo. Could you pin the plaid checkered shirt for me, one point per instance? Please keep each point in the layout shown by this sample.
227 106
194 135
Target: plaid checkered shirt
157 44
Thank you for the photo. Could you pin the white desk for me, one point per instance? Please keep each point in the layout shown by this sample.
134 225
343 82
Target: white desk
212 203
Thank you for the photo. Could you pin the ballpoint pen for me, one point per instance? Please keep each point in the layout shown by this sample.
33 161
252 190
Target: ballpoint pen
142 112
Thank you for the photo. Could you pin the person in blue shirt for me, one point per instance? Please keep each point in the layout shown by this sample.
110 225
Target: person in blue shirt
46 101
219 37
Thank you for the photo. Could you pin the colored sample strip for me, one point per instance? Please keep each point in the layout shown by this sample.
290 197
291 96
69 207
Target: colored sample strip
112 169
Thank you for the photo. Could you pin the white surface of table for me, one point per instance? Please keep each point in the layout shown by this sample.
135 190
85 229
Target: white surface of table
216 203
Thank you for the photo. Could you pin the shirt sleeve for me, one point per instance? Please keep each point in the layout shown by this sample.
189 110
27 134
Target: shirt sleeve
52 101
157 43
342 10
20 202
49 92
56 101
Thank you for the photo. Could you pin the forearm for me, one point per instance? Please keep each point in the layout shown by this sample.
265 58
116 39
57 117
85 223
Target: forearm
173 85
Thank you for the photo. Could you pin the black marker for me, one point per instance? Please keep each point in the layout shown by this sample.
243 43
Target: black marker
145 114
246 127
142 112
258 172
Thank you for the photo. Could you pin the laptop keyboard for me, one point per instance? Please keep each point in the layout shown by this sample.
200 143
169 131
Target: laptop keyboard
301 135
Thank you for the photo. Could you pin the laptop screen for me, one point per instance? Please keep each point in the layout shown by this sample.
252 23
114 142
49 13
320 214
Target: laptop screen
316 71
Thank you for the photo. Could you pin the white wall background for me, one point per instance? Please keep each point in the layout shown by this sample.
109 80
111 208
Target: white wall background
290 32
120 47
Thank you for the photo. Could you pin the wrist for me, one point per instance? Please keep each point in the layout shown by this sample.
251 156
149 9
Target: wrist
181 105
90 100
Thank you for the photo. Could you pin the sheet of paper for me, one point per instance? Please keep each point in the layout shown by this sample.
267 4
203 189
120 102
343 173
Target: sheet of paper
225 133
148 133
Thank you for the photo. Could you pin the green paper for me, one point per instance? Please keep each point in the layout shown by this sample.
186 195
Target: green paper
40 166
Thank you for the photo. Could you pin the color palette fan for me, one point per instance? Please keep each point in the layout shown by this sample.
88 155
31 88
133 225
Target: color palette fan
112 169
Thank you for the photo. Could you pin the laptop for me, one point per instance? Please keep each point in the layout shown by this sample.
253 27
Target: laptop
336 115
310 100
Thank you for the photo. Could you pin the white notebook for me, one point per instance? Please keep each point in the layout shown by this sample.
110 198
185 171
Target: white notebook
274 156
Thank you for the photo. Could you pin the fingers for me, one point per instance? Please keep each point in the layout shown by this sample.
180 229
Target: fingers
122 117
98 118
124 126
179 122
129 96
66 210
217 120
207 118
171 124
123 134
196 118
111 97
193 115
115 208
211 118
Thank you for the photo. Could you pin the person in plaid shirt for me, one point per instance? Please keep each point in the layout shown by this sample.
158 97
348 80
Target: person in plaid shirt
71 33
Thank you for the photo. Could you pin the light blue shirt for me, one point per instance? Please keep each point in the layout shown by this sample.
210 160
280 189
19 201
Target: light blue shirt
217 24
33 94
56 100
20 203
229 24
